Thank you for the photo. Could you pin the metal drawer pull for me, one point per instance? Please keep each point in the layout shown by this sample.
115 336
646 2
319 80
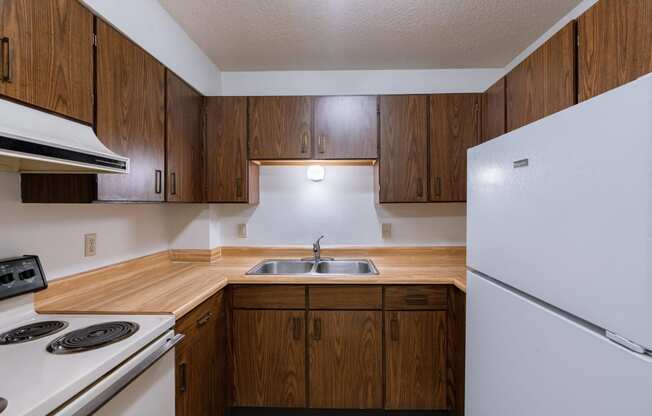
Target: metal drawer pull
416 299
173 187
521 163
158 181
419 187
393 329
316 329
438 186
238 187
5 59
322 144
296 329
183 385
204 319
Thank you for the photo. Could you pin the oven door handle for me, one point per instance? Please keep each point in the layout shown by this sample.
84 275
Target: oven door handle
103 391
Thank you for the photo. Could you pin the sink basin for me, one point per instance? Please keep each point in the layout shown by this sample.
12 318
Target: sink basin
346 267
308 267
283 267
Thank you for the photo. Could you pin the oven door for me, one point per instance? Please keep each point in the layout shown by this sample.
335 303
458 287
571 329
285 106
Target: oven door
144 385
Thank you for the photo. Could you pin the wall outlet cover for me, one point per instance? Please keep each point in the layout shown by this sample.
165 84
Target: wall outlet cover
386 232
90 244
242 230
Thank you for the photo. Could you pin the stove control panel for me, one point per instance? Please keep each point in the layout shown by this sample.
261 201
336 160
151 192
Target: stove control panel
20 275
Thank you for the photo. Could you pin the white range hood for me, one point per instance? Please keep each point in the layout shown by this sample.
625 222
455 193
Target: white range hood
37 142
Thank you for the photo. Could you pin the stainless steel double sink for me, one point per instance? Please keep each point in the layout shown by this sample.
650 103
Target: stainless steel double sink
314 268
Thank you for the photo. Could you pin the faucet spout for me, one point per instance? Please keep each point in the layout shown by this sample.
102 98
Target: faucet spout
316 249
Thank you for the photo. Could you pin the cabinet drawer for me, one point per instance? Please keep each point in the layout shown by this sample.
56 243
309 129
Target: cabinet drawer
345 297
416 297
269 297
199 319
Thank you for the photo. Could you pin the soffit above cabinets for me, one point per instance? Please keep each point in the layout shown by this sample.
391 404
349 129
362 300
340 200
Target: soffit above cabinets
259 35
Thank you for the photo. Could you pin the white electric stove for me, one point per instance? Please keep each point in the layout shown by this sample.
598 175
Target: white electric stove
79 364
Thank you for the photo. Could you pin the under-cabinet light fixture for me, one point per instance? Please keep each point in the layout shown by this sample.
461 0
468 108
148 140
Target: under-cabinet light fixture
315 173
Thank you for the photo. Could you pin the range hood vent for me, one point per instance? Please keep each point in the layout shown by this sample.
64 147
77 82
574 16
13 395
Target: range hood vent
33 141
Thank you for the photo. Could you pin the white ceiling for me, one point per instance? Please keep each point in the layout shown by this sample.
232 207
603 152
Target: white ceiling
258 35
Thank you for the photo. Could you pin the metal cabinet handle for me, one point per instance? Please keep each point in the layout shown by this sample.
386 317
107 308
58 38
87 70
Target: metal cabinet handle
416 299
238 187
296 329
183 384
322 144
173 183
316 330
438 186
478 123
304 143
420 188
158 181
393 328
5 58
204 319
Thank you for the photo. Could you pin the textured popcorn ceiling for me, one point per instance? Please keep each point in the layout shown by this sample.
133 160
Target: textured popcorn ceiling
241 35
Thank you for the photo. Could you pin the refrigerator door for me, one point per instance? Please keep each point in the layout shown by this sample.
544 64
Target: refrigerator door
561 209
525 359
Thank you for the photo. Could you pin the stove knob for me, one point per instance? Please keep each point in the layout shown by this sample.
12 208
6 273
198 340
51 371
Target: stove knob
6 279
26 274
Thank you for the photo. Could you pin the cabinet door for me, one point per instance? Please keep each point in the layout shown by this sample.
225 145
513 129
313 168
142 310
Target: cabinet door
615 45
280 127
403 165
415 360
454 127
269 358
230 177
345 357
47 55
184 142
346 127
544 83
493 111
130 117
200 360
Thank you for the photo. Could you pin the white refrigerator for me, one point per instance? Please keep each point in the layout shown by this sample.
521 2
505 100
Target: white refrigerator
559 229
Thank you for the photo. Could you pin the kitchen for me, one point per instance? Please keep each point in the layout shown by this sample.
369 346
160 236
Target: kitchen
325 208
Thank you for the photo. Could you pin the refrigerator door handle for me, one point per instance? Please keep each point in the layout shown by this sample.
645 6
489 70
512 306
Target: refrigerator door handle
624 342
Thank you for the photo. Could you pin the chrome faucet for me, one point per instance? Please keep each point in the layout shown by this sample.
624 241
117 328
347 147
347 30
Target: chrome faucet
316 249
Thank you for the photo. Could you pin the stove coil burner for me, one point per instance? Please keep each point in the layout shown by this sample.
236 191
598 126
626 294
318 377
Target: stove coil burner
31 332
92 337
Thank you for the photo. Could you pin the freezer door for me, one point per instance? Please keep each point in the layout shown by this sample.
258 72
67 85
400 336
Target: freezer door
568 199
525 359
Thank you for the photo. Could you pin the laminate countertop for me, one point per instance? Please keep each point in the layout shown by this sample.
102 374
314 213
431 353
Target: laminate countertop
157 284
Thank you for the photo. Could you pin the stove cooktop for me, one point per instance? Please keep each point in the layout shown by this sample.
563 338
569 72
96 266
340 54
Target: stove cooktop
92 337
32 332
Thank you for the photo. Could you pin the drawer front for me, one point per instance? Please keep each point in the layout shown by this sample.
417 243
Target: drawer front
416 297
345 297
269 297
199 319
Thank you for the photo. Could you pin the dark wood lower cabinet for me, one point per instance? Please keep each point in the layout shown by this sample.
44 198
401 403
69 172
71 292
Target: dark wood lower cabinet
345 355
269 360
415 353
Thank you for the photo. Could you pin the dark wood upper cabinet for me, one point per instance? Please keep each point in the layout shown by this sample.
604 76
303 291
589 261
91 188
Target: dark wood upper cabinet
269 358
47 55
200 360
416 363
184 142
493 111
280 128
544 82
345 356
346 127
130 117
402 170
230 177
615 45
454 127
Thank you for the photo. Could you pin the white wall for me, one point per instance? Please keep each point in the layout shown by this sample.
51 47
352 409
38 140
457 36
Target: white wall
149 25
357 82
294 211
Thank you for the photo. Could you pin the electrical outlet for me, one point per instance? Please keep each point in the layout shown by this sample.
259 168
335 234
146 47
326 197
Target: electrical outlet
242 230
90 244
386 231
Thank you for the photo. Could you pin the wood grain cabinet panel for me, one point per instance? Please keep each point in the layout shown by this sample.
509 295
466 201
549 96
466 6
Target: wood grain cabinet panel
345 355
454 128
280 127
544 83
184 142
230 177
493 111
47 55
269 296
200 360
615 45
130 117
402 171
416 360
346 127
269 358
